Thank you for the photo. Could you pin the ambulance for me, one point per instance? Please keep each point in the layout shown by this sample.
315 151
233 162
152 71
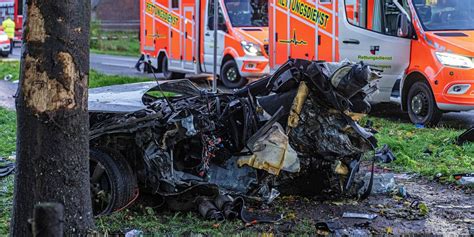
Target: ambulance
13 9
179 34
424 47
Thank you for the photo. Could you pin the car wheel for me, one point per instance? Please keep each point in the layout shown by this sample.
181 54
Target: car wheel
230 75
421 105
169 75
112 182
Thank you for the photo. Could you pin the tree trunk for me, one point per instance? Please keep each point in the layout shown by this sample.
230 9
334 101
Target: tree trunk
53 144
48 220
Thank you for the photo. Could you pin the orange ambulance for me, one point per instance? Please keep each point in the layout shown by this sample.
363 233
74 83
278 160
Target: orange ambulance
179 34
424 47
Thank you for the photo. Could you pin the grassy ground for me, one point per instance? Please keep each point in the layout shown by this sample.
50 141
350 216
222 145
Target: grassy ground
427 151
10 68
97 79
183 224
129 46
7 146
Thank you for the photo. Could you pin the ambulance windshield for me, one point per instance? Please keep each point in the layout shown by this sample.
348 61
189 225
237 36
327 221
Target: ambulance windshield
440 15
247 13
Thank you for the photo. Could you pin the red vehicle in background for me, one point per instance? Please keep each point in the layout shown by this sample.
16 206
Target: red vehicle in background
13 9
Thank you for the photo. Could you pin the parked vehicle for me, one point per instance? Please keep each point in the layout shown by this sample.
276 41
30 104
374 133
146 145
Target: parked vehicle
4 44
180 35
14 9
425 48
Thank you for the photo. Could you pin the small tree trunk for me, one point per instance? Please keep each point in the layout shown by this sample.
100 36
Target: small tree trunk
52 118
48 220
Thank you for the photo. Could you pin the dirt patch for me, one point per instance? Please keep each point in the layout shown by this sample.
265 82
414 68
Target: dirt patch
430 208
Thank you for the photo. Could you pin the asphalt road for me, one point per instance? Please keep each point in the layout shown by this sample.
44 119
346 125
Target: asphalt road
120 65
112 65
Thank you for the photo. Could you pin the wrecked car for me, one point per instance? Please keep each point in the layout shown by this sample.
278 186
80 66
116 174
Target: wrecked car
291 132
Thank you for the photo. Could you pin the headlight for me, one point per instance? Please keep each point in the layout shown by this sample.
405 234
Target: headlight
3 37
454 60
251 49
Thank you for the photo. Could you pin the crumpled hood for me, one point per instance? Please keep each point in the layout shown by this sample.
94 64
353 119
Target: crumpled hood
459 42
257 35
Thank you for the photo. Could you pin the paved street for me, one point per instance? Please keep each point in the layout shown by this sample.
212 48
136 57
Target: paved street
112 65
120 65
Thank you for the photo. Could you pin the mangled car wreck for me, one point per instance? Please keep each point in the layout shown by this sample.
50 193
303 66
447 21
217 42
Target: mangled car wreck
290 132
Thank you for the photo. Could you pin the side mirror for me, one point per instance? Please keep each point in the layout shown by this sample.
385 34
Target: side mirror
210 23
403 25
220 25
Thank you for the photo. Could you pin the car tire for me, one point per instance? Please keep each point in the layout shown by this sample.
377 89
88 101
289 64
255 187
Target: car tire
169 75
422 108
230 75
5 55
113 183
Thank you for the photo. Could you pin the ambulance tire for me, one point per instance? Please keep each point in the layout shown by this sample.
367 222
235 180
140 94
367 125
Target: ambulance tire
5 55
167 74
230 75
422 108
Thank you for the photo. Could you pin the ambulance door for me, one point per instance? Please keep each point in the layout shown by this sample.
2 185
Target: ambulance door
175 39
189 39
209 38
368 32
148 27
279 15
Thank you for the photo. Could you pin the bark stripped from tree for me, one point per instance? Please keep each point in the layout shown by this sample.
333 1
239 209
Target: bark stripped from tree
52 145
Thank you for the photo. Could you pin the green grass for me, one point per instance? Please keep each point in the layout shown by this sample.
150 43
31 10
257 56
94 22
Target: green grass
6 202
119 46
174 224
97 79
7 146
10 68
179 224
7 132
426 151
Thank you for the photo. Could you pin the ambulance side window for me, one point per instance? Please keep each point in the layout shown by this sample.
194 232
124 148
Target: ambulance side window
210 20
175 4
375 15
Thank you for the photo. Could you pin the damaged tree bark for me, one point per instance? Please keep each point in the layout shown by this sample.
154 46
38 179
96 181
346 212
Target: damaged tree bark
53 145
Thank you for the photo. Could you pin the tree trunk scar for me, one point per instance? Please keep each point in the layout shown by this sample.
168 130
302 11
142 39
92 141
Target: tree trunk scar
43 93
35 25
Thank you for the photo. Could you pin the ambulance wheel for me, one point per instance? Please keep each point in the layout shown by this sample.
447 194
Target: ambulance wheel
422 107
169 75
230 75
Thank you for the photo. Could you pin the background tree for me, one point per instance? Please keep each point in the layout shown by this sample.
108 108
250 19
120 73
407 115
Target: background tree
52 145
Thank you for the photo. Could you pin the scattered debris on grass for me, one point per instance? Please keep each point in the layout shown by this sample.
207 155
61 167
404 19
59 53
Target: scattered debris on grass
384 154
6 167
359 215
467 136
